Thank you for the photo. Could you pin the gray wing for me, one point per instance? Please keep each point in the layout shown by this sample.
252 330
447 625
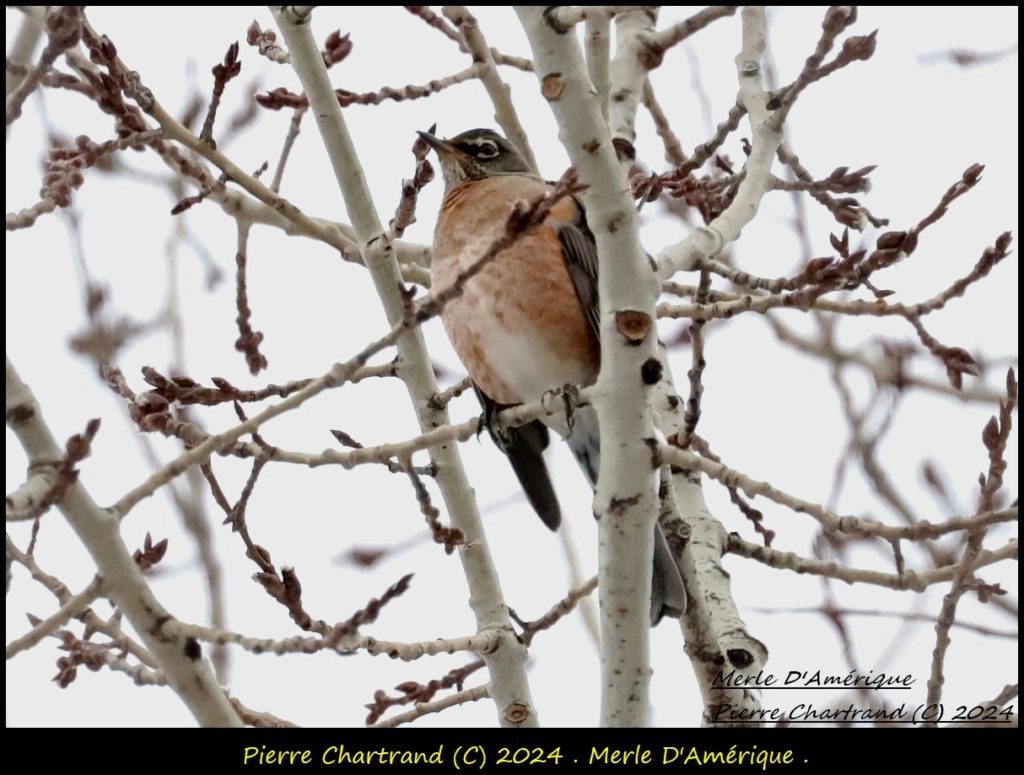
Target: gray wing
579 249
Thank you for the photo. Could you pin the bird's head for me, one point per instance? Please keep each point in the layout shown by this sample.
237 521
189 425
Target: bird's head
474 155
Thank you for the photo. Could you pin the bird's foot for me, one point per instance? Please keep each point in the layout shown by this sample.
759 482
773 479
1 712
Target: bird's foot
569 397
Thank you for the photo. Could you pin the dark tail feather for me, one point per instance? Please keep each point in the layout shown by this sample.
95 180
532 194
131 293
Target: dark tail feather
524 447
668 594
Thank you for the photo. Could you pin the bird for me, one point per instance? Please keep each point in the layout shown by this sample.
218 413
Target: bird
529 321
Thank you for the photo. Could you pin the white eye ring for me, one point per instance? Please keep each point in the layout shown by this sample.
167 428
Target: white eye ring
487 149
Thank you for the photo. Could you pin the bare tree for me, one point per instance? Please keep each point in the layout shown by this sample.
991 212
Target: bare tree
757 422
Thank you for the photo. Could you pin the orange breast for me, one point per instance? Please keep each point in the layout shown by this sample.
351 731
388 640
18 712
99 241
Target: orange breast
518 326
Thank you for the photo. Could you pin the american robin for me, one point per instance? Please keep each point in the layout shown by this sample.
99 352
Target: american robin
529 321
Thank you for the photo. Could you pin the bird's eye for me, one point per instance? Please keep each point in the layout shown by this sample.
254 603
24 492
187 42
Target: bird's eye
486 149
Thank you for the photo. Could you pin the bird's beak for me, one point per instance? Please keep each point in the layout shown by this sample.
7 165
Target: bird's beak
444 148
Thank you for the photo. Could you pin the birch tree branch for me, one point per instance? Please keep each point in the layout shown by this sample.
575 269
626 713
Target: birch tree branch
506 663
192 679
628 75
71 609
626 501
715 632
505 113
710 240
